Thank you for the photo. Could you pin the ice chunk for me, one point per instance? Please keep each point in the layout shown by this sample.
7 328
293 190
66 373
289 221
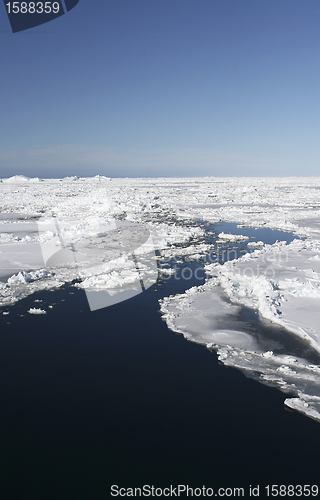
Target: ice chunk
232 237
34 310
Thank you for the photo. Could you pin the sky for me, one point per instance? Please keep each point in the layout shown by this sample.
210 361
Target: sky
151 88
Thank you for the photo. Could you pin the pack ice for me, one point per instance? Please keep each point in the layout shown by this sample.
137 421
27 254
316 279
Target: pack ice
41 217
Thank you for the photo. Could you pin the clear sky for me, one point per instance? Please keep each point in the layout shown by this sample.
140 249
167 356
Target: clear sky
163 88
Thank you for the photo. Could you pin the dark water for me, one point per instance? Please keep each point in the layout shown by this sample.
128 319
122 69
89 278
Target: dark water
112 397
268 236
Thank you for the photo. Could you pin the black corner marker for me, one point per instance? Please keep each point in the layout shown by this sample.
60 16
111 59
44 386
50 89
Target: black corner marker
26 15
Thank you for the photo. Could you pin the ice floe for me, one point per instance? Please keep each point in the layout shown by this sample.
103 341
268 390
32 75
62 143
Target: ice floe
232 237
34 310
206 316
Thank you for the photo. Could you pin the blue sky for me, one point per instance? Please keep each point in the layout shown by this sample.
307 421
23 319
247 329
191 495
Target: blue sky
163 88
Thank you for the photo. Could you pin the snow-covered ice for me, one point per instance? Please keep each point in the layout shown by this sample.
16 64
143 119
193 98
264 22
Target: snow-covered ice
232 237
281 281
34 310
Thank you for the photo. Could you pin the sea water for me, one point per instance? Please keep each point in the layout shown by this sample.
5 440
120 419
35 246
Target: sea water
113 397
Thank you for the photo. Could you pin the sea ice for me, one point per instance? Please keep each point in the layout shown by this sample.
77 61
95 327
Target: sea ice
232 237
40 218
34 310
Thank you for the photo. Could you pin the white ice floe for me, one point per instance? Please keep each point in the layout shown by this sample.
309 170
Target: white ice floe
56 231
25 277
232 237
254 244
206 316
280 283
34 310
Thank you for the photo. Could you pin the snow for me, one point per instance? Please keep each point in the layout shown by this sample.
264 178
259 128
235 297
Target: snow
56 231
